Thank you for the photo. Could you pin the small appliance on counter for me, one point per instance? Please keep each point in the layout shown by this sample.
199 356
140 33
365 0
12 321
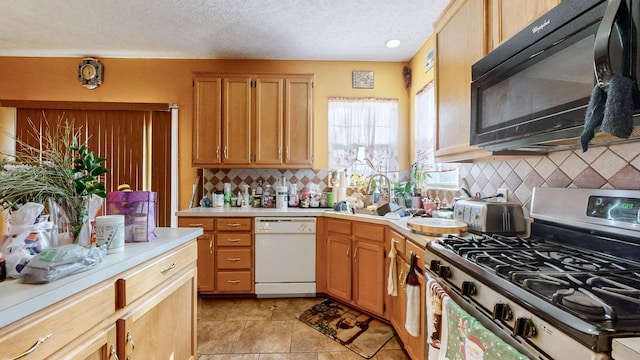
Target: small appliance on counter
490 217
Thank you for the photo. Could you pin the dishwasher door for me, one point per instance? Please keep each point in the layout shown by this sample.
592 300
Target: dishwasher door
285 257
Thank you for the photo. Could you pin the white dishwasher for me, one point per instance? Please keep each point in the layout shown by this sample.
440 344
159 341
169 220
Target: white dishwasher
285 256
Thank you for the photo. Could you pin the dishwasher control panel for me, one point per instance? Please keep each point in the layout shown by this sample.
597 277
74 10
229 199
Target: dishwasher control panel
285 225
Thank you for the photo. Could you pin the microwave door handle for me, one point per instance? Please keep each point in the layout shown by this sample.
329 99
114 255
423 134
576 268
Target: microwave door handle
602 60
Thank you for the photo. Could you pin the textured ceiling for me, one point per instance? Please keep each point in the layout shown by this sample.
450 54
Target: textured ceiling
217 29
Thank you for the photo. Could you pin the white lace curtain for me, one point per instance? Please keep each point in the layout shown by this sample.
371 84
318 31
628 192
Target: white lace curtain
363 131
425 125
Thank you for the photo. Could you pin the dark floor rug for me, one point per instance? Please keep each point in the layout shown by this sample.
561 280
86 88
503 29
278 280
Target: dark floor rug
360 333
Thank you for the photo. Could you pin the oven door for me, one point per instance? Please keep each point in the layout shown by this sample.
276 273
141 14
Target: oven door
531 92
472 309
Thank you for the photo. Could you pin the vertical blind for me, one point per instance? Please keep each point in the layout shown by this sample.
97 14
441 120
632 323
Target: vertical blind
120 136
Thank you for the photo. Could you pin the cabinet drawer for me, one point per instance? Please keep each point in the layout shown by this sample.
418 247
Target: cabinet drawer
413 248
233 239
233 224
369 231
206 223
149 275
58 324
235 281
233 258
399 242
338 226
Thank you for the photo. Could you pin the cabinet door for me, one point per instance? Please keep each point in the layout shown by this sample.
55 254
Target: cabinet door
206 263
162 325
269 120
299 121
236 120
399 303
100 345
415 344
508 17
459 43
207 115
339 267
368 274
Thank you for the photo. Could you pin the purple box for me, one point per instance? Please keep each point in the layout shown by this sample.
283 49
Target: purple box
139 210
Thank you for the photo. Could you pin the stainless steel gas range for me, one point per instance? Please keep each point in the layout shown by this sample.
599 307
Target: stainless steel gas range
566 291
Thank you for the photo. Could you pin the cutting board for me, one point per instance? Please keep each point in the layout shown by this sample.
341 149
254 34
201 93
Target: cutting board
436 227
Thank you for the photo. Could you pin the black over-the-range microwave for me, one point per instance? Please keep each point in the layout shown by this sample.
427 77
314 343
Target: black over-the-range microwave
531 92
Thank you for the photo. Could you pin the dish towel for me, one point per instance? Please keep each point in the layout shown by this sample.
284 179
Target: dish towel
435 296
413 318
612 109
464 337
392 281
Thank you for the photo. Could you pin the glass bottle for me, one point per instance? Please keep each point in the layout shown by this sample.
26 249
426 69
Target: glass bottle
266 197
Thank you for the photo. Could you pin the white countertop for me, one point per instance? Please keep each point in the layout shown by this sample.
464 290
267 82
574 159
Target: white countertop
18 300
400 225
239 211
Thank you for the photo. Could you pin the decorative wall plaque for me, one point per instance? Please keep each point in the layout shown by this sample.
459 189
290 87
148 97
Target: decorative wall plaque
362 80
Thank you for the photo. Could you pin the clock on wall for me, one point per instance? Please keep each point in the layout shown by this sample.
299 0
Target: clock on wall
90 73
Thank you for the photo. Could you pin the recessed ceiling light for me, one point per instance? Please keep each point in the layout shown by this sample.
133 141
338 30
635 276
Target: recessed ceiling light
393 43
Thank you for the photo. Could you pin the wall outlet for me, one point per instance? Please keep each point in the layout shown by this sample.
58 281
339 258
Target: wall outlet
505 195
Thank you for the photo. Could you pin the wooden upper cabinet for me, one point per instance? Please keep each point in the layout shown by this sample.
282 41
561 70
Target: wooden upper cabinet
269 121
460 42
236 120
262 120
508 17
298 129
207 133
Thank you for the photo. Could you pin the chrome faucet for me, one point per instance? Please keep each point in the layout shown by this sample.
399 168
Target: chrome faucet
391 199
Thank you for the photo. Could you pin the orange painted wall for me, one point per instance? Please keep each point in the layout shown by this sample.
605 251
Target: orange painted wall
170 81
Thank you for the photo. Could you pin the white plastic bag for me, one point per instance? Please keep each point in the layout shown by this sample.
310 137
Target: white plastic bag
25 237
58 262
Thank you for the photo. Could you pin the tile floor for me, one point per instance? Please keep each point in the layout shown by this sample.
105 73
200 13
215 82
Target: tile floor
267 329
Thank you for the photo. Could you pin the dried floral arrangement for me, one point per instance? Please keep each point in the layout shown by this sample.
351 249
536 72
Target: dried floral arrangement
62 172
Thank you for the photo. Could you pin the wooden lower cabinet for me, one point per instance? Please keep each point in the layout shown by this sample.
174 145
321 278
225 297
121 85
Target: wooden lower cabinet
206 255
225 254
162 326
234 255
356 264
98 345
413 345
146 312
339 267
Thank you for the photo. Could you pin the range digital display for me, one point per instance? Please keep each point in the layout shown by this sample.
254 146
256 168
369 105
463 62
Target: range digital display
614 208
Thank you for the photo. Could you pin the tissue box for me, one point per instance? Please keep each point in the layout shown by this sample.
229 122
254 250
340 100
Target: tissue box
139 210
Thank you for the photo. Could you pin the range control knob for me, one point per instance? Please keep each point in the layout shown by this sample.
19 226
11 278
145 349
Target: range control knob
444 272
434 265
524 327
502 311
468 288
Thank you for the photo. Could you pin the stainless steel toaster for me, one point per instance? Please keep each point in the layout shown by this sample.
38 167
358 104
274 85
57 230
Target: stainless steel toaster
490 217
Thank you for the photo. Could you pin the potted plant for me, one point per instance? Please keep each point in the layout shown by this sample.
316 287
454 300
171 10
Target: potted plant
62 173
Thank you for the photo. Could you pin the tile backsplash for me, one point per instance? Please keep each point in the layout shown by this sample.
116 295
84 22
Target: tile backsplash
613 167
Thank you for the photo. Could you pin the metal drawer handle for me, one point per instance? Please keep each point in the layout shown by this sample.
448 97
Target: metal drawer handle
233 259
168 268
114 353
133 346
233 225
196 225
210 246
233 281
233 240
33 348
